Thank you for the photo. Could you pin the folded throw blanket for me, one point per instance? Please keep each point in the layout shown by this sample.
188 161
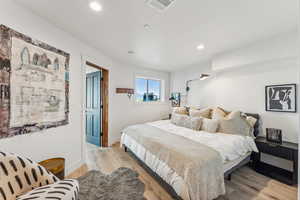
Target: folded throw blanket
200 166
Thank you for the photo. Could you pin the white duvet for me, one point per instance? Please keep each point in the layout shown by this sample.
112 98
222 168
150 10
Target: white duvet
229 146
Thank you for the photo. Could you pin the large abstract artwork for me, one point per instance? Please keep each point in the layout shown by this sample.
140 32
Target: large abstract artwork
281 98
34 84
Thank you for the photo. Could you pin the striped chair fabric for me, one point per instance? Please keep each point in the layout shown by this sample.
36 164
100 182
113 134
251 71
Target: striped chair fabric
23 179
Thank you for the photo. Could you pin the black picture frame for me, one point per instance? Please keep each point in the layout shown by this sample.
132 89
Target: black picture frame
274 135
281 98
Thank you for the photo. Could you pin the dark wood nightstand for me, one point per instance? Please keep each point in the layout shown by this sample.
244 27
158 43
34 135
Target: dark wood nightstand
286 150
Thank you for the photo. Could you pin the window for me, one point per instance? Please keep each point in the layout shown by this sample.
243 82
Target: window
148 90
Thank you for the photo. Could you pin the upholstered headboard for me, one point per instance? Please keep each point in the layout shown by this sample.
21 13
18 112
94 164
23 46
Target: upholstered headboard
256 126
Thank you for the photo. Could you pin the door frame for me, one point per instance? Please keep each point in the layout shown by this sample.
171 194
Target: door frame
104 98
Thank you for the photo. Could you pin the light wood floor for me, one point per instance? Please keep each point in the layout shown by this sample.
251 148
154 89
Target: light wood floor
246 184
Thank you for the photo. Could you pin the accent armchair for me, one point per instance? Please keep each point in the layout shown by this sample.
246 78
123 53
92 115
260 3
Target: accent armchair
23 179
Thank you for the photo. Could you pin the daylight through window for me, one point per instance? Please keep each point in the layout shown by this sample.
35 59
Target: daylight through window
147 90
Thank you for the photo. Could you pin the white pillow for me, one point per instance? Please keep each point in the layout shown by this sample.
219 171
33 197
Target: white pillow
186 121
218 113
206 113
180 110
179 119
210 125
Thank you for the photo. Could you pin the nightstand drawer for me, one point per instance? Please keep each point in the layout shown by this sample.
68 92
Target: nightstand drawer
275 150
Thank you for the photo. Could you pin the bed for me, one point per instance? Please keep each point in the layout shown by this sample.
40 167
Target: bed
205 181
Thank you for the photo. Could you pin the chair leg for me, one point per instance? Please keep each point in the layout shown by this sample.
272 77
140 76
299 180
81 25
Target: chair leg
125 149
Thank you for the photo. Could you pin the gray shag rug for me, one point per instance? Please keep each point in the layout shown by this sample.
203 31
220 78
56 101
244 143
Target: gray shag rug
122 184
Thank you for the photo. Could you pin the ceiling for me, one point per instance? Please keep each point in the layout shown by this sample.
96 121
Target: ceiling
170 42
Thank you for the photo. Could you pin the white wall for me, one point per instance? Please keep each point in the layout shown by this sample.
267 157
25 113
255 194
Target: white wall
276 48
199 94
238 82
67 141
239 78
125 111
243 89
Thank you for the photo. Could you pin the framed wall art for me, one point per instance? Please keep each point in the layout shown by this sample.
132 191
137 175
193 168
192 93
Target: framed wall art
34 84
175 99
281 98
274 135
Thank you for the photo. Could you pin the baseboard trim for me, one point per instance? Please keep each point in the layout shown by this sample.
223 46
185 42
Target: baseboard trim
73 166
78 172
116 144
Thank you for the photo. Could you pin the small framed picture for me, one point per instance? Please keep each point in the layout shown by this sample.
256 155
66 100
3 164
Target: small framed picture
274 135
281 98
175 99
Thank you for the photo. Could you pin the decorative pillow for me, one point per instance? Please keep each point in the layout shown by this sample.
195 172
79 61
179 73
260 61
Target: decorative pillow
186 121
195 107
193 123
251 120
179 119
206 113
218 113
210 125
235 124
62 190
180 110
19 175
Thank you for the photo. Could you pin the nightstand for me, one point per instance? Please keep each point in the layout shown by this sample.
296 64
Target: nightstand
286 150
56 166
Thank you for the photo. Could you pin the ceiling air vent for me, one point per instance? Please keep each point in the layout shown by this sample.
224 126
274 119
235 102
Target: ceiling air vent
160 5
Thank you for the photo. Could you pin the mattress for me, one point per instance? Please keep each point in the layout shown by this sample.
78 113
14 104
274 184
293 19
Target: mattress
231 164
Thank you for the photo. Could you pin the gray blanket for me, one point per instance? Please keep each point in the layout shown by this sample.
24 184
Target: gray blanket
200 166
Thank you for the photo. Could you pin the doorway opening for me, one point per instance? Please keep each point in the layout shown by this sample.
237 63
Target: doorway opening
96 101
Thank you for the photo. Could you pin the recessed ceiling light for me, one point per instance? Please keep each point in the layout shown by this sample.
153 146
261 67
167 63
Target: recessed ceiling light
131 52
96 6
200 47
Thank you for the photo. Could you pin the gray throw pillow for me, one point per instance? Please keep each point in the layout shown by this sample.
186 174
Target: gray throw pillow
235 124
194 123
